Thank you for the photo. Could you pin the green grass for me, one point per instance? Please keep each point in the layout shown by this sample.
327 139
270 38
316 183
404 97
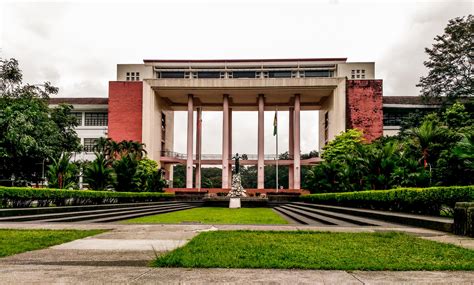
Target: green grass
317 250
17 241
213 215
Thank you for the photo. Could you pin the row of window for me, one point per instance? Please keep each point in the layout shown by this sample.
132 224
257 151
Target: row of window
395 117
358 74
133 76
89 144
92 118
245 74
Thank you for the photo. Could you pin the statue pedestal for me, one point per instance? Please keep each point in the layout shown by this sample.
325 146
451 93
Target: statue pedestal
234 203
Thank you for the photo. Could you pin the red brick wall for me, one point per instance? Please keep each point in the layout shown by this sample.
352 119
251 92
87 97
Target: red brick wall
364 107
125 110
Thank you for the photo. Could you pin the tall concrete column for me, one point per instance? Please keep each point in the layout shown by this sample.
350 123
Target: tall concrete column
296 147
291 138
261 150
189 153
225 142
230 147
198 146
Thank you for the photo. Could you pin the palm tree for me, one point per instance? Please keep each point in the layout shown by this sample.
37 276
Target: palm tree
62 173
464 149
98 174
425 135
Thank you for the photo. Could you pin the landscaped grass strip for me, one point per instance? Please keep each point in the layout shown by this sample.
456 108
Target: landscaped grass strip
317 250
17 241
215 215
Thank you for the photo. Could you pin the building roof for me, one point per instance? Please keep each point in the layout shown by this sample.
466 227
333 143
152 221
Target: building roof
242 60
410 100
79 101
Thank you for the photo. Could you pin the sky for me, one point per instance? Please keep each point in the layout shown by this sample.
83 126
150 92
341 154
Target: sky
77 45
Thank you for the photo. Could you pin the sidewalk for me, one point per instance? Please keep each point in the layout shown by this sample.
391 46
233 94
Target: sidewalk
122 254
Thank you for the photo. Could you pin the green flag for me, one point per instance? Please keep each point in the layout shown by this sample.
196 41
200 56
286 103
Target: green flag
275 124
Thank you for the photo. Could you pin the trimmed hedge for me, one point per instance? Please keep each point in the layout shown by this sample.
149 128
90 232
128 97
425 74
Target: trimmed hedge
429 201
19 197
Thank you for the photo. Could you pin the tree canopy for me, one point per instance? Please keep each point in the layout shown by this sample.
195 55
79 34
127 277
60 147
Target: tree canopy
450 71
30 131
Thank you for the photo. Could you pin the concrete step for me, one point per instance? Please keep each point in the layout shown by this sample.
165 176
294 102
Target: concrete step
318 217
77 213
297 218
142 214
344 217
430 222
7 212
90 216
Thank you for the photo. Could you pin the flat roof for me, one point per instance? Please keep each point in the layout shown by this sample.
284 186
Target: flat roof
411 100
79 101
244 60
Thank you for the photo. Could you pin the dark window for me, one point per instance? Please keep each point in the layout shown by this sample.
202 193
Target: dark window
96 119
280 74
209 74
326 127
244 74
318 73
89 144
395 117
172 74
78 117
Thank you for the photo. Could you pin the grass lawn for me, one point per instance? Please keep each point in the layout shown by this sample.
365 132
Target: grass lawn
214 215
17 241
317 250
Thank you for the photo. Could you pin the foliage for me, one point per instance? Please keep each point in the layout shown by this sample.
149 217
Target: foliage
148 177
98 174
62 173
125 169
317 250
18 241
450 71
18 197
345 143
215 215
30 131
417 200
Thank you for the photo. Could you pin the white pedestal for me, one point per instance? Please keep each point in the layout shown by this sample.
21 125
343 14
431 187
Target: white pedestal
234 203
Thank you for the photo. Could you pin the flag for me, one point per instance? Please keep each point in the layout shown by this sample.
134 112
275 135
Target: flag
275 124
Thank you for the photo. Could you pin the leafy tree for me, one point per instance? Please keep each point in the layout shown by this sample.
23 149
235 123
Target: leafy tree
148 177
30 131
98 174
62 173
346 142
450 61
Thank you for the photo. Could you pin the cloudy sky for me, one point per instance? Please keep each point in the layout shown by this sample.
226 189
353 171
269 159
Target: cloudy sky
76 46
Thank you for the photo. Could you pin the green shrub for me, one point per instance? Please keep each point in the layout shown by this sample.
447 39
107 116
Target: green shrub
26 197
428 201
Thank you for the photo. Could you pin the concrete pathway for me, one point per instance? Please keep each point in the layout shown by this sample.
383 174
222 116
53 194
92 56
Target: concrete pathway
122 254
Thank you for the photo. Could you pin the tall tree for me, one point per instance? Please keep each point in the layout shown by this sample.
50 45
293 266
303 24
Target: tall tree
30 131
450 61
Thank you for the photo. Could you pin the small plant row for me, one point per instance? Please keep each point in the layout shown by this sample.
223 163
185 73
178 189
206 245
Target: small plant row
429 201
18 197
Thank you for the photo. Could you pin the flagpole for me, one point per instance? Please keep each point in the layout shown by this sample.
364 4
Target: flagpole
276 150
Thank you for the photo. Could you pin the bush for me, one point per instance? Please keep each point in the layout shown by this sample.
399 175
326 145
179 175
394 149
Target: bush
428 201
26 197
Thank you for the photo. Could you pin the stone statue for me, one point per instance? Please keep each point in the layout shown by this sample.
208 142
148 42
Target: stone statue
237 157
236 190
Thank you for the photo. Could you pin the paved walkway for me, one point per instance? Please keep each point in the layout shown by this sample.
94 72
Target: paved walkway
122 254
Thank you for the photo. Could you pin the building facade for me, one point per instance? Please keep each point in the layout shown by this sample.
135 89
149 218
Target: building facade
143 99
92 117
